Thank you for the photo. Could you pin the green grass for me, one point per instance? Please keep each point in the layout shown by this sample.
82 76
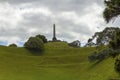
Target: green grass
59 62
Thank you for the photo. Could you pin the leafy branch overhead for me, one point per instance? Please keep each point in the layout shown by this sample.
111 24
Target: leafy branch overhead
112 10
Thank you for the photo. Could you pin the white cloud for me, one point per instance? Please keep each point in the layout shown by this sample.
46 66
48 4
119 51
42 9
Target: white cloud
21 19
93 17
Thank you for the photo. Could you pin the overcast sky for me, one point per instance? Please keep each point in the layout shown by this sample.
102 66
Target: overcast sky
74 19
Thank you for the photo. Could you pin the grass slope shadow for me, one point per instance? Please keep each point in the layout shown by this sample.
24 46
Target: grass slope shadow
95 64
35 52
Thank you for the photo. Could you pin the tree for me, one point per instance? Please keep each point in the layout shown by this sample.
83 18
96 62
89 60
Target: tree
42 37
12 45
99 56
34 44
112 10
115 43
90 43
75 43
103 37
117 66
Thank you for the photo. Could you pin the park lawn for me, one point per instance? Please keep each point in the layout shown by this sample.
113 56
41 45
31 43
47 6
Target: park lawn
58 62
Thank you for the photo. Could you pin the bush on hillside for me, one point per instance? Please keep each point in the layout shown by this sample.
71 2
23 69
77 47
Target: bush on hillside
115 43
103 54
99 55
114 53
12 45
75 43
34 44
42 37
93 57
117 65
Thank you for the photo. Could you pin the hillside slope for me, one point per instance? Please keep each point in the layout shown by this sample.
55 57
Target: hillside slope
58 62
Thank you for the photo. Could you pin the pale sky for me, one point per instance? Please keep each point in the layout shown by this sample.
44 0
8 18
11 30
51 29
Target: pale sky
74 19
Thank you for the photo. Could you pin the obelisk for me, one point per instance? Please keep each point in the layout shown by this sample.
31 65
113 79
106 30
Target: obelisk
54 33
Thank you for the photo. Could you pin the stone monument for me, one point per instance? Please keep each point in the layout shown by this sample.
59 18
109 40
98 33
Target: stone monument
54 34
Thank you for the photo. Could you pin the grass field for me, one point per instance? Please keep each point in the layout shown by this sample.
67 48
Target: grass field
58 62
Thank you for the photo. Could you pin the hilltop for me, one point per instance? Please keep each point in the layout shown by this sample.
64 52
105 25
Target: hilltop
58 62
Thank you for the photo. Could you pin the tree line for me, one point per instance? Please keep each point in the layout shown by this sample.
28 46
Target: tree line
110 35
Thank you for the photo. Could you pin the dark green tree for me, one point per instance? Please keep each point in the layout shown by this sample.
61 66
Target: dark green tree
42 37
34 44
112 9
115 43
75 43
117 66
103 37
90 43
12 45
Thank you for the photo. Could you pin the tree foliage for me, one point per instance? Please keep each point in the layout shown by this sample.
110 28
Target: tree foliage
115 42
90 43
112 9
103 37
12 45
75 43
112 37
34 44
117 65
115 45
42 37
99 56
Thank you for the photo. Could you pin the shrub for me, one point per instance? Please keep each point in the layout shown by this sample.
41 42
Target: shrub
12 45
34 44
42 37
75 43
114 53
117 65
115 43
93 57
99 55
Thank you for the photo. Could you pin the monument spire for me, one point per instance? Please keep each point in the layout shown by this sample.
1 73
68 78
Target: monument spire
54 33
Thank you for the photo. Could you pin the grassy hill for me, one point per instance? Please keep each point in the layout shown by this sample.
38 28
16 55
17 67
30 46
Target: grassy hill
59 62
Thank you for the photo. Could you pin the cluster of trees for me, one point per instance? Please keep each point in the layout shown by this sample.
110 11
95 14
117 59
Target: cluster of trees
36 43
112 11
115 45
111 35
